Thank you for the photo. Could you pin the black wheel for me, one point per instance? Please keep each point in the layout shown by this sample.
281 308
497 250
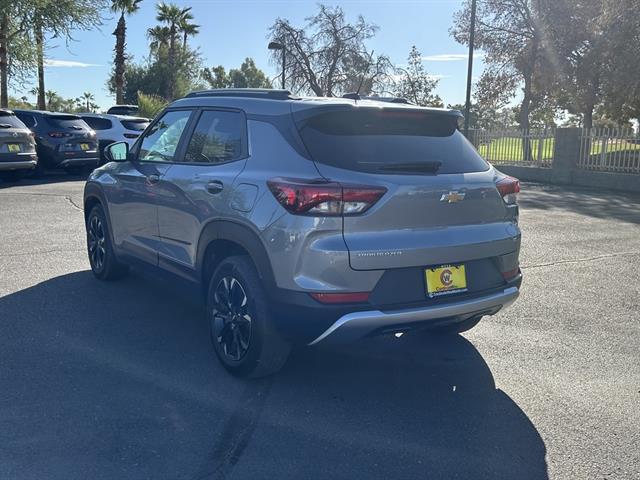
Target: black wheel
103 261
243 334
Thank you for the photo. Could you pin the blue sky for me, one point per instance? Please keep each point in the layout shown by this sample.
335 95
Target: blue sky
232 30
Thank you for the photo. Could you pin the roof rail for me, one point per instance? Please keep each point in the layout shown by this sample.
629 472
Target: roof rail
266 93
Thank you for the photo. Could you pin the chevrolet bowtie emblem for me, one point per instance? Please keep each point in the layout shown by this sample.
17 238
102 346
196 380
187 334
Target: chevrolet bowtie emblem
452 197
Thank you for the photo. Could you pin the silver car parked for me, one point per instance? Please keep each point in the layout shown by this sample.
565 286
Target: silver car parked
309 220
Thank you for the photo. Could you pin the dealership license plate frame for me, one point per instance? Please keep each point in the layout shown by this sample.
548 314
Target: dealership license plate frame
446 279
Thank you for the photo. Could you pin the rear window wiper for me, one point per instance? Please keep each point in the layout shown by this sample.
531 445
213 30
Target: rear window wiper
422 167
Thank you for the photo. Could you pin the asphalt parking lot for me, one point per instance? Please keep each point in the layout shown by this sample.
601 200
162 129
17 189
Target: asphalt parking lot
118 380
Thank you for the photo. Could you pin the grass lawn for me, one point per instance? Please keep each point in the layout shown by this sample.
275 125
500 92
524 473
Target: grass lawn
509 149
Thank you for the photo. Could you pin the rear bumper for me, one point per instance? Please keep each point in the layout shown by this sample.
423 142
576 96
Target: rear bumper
18 165
353 326
78 162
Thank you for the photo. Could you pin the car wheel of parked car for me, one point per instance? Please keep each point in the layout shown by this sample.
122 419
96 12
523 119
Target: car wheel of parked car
244 336
103 261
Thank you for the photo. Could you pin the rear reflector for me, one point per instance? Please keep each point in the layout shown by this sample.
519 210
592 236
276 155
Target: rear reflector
334 298
509 188
324 199
510 274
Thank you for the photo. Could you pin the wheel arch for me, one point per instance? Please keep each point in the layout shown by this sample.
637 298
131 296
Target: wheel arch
223 238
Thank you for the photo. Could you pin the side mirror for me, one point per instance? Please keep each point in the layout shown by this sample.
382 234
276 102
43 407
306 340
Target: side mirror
117 152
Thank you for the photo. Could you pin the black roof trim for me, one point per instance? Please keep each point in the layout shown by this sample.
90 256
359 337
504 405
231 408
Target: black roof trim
266 93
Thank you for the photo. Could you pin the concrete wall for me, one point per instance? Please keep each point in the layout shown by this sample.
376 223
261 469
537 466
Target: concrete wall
564 170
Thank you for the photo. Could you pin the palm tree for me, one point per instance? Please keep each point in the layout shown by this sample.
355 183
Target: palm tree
158 38
124 7
188 29
51 97
88 97
173 16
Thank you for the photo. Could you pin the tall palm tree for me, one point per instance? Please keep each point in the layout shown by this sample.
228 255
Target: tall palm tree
188 29
88 97
158 38
173 16
123 7
51 97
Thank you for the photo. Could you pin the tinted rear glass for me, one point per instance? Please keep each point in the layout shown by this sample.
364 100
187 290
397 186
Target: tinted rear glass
389 141
137 125
10 121
66 121
98 123
122 110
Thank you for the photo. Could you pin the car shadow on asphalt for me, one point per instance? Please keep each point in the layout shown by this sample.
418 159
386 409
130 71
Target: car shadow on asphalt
118 380
45 179
584 201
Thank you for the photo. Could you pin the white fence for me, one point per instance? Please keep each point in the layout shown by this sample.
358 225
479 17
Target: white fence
610 150
515 147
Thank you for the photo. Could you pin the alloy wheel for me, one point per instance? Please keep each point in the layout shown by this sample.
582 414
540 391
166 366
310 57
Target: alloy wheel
231 321
96 242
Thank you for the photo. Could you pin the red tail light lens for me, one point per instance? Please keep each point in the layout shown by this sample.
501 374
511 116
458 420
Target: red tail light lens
334 298
324 199
510 274
59 134
509 188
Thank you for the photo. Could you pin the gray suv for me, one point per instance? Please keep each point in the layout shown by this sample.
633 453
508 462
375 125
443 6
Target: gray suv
309 220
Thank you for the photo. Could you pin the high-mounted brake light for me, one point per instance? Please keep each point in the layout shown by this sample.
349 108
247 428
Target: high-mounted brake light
324 199
131 135
509 188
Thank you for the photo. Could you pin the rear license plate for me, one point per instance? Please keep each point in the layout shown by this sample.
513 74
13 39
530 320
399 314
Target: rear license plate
84 146
14 147
445 280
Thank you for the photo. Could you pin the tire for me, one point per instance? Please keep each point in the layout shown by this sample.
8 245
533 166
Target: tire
243 333
104 264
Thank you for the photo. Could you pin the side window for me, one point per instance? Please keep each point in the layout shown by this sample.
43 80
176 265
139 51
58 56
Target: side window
28 120
161 142
98 123
218 137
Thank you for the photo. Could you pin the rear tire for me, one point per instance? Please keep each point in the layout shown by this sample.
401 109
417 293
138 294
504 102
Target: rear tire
104 264
243 333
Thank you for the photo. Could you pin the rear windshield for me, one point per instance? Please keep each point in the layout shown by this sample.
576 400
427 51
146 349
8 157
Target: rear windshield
137 125
66 121
10 121
389 141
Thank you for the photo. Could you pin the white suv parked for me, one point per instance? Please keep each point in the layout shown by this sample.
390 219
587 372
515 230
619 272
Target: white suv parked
115 128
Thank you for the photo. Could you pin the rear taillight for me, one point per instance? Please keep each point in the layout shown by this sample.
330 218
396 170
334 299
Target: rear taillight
131 135
510 274
335 298
59 134
324 199
509 188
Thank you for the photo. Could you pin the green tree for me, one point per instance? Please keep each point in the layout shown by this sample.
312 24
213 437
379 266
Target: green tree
124 8
247 76
328 55
17 54
88 98
415 84
173 16
60 18
158 39
187 28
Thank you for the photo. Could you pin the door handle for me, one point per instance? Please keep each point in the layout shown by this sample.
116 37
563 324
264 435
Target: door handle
153 178
215 186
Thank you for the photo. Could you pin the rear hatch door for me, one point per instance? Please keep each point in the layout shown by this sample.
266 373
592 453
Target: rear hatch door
76 136
15 137
441 204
